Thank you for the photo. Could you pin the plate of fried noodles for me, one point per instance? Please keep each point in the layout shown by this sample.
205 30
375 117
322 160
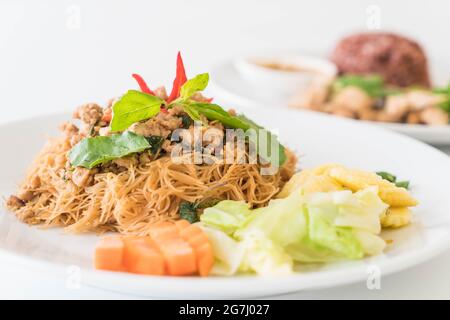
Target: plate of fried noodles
174 194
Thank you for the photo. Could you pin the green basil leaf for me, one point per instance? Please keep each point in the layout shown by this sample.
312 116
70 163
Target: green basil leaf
155 144
186 121
198 83
134 106
90 152
249 122
268 139
192 112
215 112
211 106
188 211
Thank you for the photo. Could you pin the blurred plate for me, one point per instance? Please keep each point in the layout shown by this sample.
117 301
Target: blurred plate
318 138
228 83
437 135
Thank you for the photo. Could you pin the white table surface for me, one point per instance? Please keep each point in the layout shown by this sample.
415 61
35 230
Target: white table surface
57 54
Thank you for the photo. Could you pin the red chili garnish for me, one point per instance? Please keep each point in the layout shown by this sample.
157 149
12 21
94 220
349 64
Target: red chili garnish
209 100
142 84
180 79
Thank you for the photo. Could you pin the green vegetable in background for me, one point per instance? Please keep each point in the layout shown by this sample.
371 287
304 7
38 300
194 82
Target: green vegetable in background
90 152
446 91
134 106
373 85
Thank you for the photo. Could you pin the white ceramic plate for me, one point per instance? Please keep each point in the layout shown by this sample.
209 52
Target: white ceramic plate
318 139
228 82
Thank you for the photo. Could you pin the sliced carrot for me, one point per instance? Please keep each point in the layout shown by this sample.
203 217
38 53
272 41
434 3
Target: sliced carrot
142 256
182 224
163 230
109 254
179 256
199 241
205 259
173 248
190 231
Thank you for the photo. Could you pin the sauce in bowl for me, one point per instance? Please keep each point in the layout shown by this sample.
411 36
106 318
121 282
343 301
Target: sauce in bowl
280 66
283 76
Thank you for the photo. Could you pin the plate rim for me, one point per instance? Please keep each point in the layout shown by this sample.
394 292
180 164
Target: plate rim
290 283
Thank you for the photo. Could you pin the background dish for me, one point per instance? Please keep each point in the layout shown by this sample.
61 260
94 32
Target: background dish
318 139
227 82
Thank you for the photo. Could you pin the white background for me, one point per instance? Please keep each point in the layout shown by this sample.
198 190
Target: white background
48 62
55 55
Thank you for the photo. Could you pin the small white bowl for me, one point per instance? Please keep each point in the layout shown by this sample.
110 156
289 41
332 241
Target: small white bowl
281 82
